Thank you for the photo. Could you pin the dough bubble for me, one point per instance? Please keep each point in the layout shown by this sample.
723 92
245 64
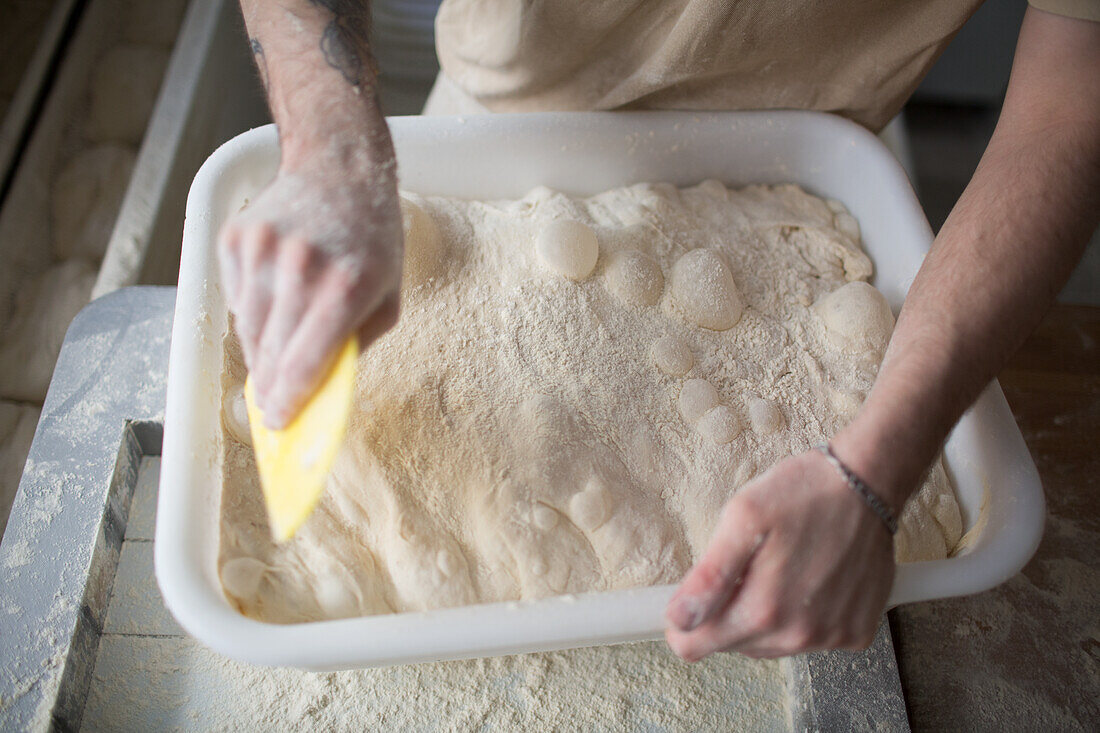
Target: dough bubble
672 355
764 416
447 563
697 396
589 508
568 248
715 189
635 278
720 424
235 415
544 517
335 597
704 291
856 317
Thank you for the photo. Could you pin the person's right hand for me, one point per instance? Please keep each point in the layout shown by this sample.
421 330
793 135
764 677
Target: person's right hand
316 257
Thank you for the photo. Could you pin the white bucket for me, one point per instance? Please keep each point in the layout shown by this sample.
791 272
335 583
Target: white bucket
504 156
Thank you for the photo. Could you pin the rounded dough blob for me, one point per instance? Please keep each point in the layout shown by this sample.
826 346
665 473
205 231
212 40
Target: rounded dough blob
447 563
124 89
31 339
335 597
242 576
720 424
715 189
704 291
544 517
568 248
846 224
85 199
235 415
423 245
697 396
764 416
672 355
635 278
589 508
857 318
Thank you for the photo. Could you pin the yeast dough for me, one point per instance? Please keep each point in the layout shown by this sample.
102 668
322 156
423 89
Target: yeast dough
550 418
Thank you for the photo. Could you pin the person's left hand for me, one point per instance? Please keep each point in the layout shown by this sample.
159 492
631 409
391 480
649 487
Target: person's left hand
797 563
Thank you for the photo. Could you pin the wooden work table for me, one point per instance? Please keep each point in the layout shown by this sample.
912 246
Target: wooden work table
1026 655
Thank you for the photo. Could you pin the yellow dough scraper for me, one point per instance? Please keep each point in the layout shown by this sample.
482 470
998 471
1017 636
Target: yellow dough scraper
295 461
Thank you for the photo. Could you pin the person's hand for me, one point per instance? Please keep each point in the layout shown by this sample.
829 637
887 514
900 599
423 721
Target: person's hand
316 257
797 563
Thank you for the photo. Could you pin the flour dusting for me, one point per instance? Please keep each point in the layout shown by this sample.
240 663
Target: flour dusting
545 419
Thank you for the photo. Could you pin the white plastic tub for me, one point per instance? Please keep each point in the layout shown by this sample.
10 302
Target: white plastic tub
497 156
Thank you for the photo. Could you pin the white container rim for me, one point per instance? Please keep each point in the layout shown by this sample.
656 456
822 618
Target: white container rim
503 156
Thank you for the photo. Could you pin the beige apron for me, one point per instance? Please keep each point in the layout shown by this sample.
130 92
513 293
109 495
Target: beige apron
857 58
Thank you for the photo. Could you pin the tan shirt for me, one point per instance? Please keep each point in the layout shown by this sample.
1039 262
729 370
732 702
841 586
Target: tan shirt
1082 9
857 58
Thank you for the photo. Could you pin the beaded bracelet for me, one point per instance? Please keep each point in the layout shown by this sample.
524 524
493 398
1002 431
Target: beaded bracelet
856 484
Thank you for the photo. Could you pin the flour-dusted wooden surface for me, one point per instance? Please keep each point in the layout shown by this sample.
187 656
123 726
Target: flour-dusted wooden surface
1026 654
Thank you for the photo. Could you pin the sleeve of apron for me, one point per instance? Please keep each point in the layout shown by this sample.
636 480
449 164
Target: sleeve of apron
1083 9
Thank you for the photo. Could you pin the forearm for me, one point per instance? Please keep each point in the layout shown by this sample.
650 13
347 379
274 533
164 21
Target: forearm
315 61
1008 246
317 255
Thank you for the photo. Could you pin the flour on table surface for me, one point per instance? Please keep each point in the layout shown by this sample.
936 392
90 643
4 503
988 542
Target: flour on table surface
184 686
545 419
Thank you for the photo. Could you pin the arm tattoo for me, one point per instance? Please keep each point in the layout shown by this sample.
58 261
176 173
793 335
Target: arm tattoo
261 59
345 40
